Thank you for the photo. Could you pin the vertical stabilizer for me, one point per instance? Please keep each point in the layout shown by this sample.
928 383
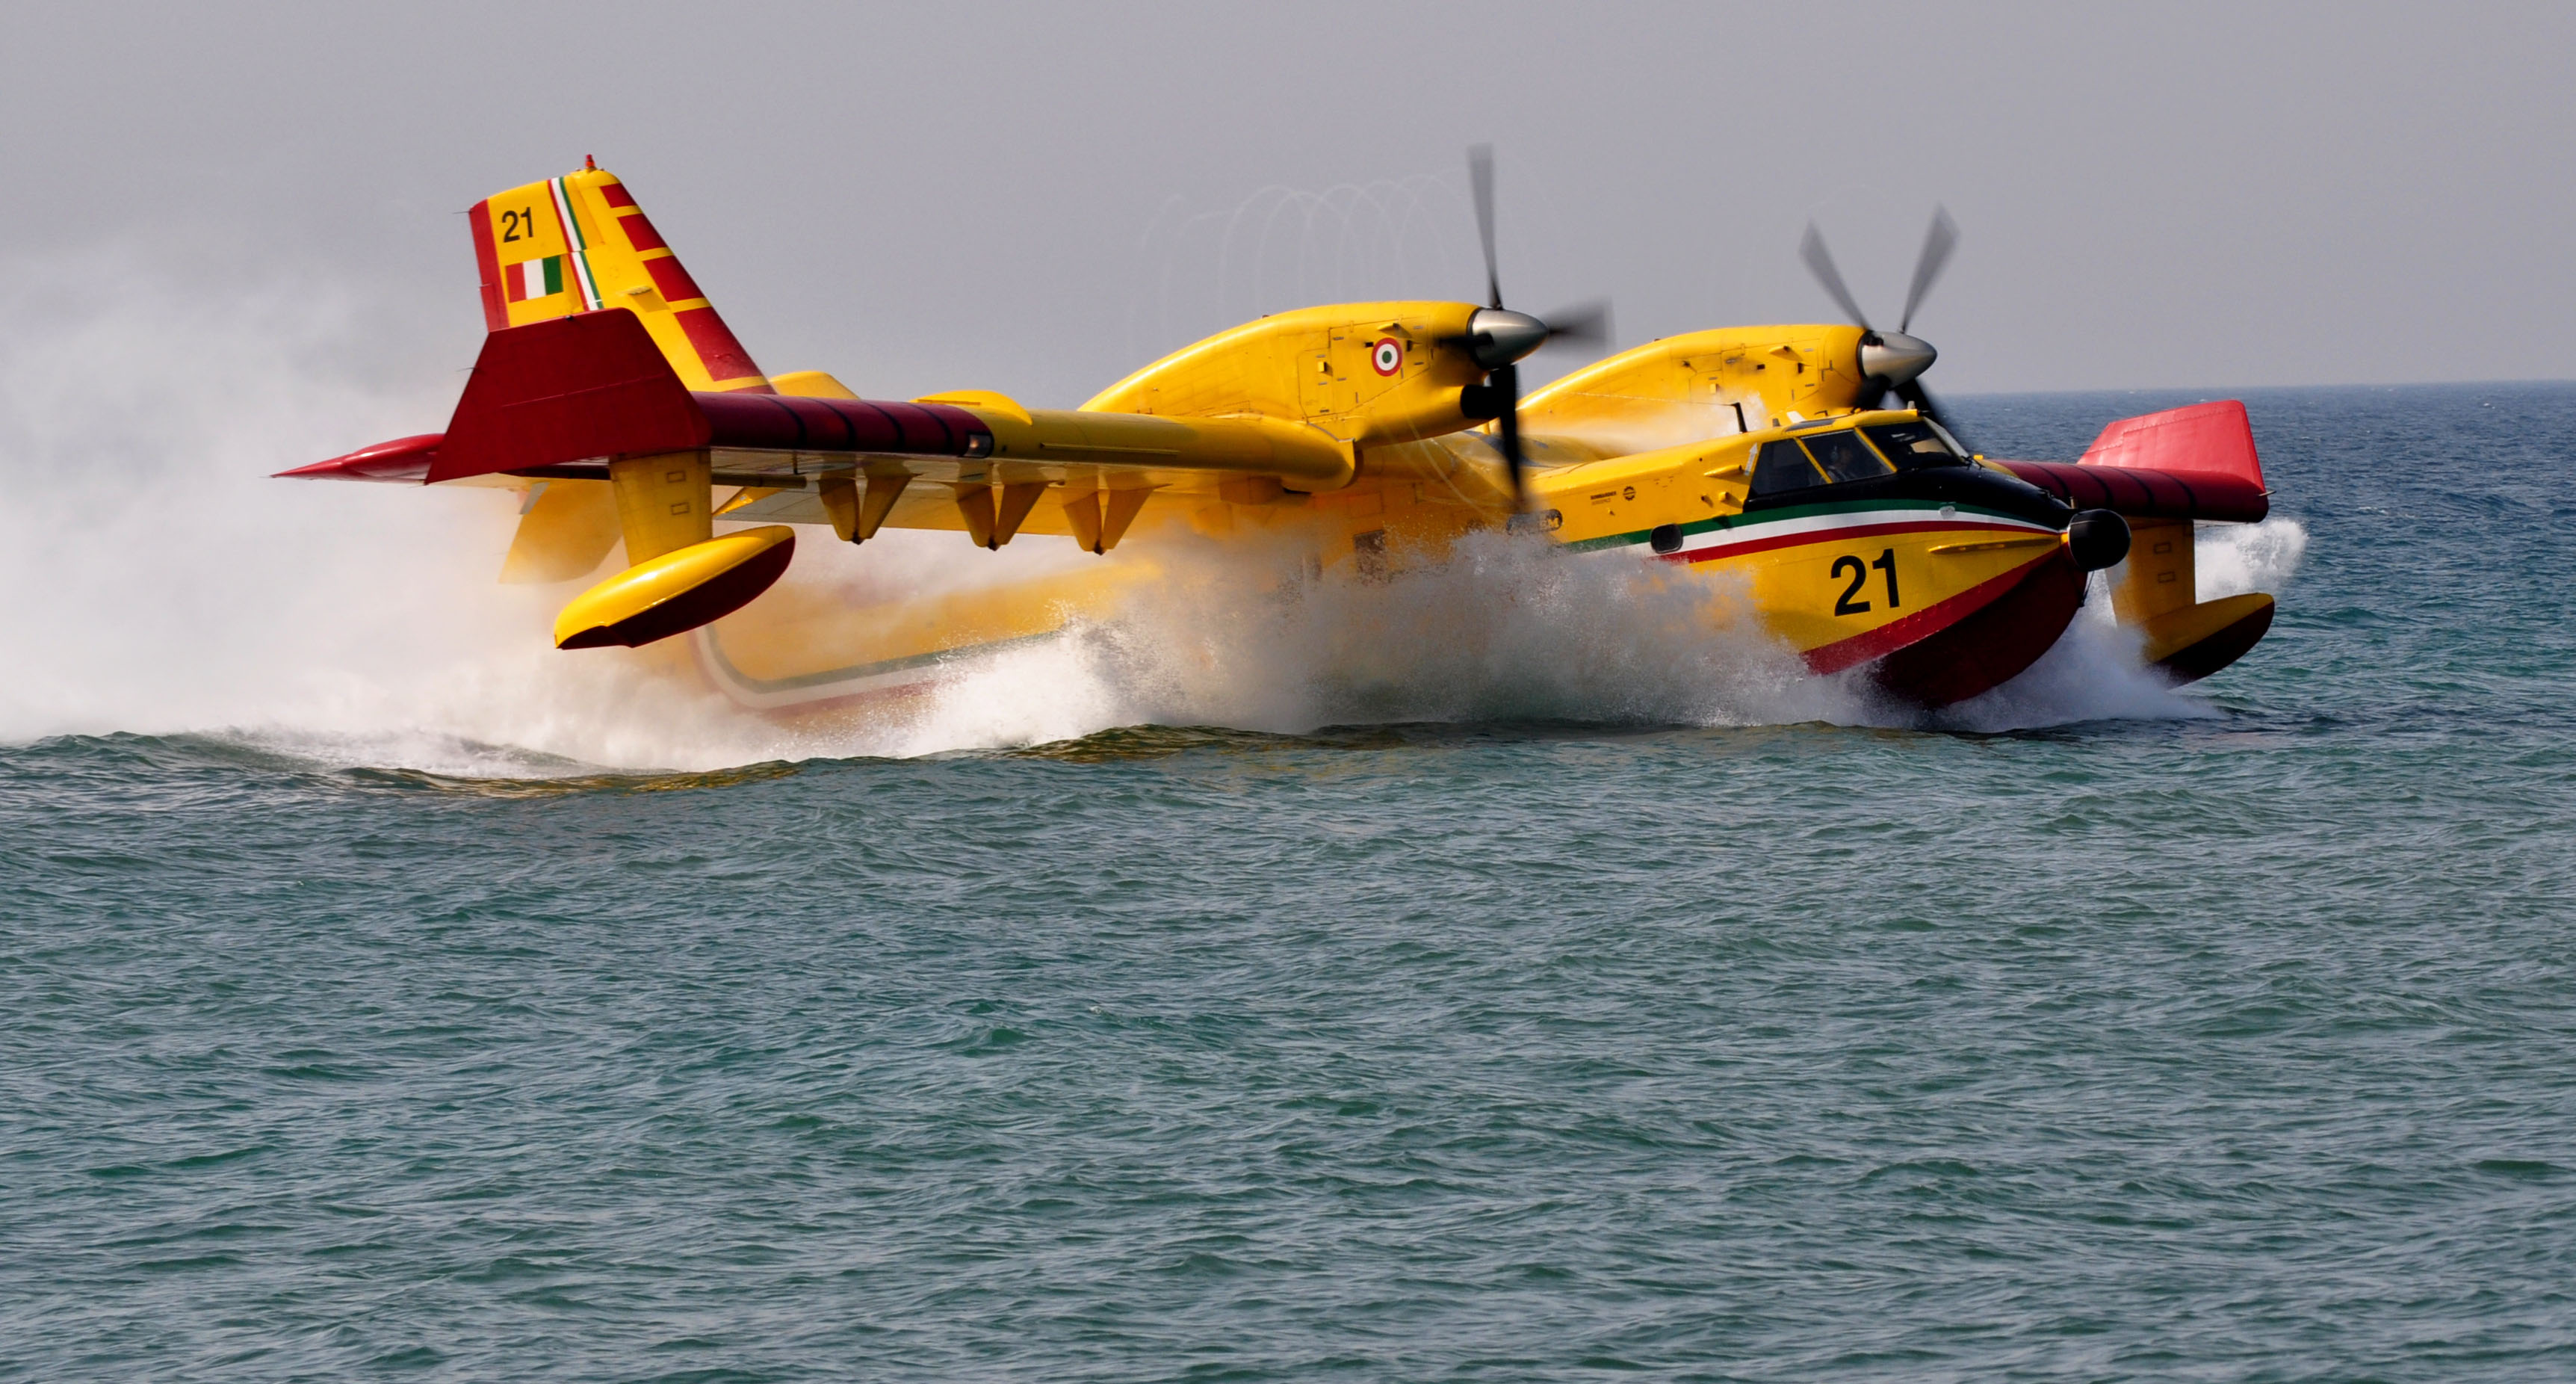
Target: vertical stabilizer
579 244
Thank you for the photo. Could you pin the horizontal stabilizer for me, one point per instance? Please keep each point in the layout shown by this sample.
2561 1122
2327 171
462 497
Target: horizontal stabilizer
405 460
593 386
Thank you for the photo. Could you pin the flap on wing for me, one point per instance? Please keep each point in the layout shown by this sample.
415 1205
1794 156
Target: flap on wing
2147 493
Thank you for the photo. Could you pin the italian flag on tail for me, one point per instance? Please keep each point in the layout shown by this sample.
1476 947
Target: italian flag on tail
536 278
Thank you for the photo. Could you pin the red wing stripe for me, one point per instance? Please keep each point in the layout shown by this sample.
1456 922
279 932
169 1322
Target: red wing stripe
842 427
2148 492
795 415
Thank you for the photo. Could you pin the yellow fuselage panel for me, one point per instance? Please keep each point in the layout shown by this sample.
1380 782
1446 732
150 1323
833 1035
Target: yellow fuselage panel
1702 384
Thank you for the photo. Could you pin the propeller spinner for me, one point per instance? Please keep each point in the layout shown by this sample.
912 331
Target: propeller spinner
1499 338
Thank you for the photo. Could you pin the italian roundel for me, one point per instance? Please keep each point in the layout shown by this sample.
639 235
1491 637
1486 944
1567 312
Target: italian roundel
1387 356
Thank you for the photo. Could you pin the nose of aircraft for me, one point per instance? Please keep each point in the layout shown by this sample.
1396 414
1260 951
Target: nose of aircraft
1895 357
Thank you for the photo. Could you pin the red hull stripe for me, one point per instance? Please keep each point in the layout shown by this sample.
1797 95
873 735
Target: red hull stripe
1922 624
616 195
1793 540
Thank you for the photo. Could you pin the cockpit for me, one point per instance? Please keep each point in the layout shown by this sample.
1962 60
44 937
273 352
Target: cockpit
1852 454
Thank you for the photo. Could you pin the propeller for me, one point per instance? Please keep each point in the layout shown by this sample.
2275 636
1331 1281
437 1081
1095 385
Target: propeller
1499 338
1939 239
1893 362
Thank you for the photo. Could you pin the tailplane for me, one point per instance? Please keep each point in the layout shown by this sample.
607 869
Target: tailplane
579 244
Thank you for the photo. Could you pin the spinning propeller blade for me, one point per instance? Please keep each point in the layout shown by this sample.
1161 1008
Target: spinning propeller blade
1480 177
1920 400
1939 239
1820 262
1583 324
1499 338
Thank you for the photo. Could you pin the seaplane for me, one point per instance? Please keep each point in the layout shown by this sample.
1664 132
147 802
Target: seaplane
1807 467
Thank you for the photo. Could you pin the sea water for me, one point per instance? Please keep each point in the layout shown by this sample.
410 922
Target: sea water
1551 1000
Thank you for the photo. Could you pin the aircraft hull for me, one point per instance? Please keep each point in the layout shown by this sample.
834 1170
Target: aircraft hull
1978 595
1933 599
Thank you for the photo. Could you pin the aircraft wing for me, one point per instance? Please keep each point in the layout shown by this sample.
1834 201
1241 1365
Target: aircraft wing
2196 462
559 400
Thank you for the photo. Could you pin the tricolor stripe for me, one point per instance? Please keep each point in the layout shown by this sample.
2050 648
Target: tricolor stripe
1743 540
1740 535
579 246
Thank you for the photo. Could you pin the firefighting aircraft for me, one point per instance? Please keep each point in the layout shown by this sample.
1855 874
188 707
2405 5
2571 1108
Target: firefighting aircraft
1808 464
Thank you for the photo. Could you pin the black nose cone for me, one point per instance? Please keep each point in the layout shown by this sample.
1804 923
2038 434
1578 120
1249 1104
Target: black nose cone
2097 538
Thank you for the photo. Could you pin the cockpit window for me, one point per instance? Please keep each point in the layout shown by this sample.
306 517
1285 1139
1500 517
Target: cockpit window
1782 467
1845 457
1913 445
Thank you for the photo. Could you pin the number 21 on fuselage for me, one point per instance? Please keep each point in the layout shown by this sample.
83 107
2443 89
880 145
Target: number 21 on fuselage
1850 604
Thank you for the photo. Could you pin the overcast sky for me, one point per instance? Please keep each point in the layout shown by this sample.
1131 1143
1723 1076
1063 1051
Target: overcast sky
1038 199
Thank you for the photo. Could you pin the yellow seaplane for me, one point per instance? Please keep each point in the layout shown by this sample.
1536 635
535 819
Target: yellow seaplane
1808 466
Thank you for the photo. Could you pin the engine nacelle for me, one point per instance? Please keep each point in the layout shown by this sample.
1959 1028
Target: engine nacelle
1363 373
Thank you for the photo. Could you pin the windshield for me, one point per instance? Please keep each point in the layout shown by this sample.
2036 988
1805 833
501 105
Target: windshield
1845 457
1783 467
1913 446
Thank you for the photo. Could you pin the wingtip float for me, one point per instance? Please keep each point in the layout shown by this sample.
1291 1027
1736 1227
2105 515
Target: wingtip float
1808 462
678 591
